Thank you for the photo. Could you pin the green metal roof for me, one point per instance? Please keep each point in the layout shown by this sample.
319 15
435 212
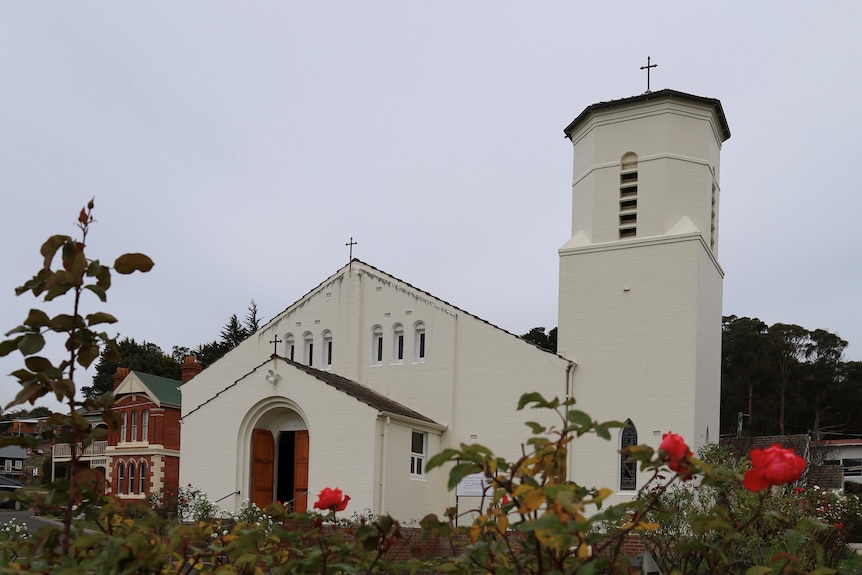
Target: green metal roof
166 390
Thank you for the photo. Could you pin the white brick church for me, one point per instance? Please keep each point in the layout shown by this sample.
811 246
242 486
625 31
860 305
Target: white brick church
373 376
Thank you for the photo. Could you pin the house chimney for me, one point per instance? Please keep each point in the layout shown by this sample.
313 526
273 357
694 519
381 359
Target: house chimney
190 368
120 375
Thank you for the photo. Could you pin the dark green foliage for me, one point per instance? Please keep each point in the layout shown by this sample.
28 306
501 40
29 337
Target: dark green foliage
538 337
785 379
143 357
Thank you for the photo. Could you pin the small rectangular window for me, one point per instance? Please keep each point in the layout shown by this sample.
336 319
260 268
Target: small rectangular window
418 453
310 354
421 346
629 177
291 351
628 204
628 219
628 232
400 354
852 467
628 191
379 357
329 352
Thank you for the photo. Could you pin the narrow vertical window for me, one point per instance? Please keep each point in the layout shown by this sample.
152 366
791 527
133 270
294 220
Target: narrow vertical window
628 214
397 343
134 426
712 218
327 349
376 345
418 453
143 488
289 347
308 338
419 342
121 477
145 425
132 484
123 427
628 466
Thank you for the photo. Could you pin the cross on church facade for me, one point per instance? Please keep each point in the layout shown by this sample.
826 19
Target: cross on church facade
647 68
275 343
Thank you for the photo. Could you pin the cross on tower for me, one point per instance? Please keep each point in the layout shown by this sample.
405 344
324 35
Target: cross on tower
275 343
351 243
647 67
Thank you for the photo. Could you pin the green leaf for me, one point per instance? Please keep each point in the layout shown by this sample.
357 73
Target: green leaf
30 392
50 247
37 363
7 346
65 322
128 263
36 318
532 397
74 261
602 431
99 291
578 417
31 343
87 355
100 317
535 428
460 471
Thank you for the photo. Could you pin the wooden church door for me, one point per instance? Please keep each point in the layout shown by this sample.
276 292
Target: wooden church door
300 472
262 467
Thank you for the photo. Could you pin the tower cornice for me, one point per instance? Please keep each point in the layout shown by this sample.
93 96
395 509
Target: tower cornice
666 94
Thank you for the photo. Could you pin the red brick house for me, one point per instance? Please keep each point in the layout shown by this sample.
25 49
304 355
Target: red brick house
143 455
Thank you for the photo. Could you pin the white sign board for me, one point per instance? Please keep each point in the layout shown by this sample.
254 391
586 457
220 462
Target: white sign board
475 485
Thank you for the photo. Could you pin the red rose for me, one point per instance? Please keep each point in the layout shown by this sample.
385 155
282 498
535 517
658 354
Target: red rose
331 499
674 448
773 466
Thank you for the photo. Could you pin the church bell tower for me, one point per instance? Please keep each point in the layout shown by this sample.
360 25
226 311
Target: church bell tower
640 281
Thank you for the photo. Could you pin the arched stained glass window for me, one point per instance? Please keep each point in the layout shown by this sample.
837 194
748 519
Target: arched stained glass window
628 466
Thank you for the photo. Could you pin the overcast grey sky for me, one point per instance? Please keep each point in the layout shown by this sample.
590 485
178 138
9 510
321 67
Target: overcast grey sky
240 145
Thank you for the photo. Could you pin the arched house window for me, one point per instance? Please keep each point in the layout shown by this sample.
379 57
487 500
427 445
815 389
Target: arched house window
122 427
145 425
326 352
134 426
376 345
628 466
132 484
290 347
419 342
143 474
397 343
121 476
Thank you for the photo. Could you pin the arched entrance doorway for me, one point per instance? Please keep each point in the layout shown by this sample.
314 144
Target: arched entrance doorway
279 459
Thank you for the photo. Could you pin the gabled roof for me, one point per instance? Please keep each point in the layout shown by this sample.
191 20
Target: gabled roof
161 390
666 94
406 284
9 484
349 387
13 452
364 394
